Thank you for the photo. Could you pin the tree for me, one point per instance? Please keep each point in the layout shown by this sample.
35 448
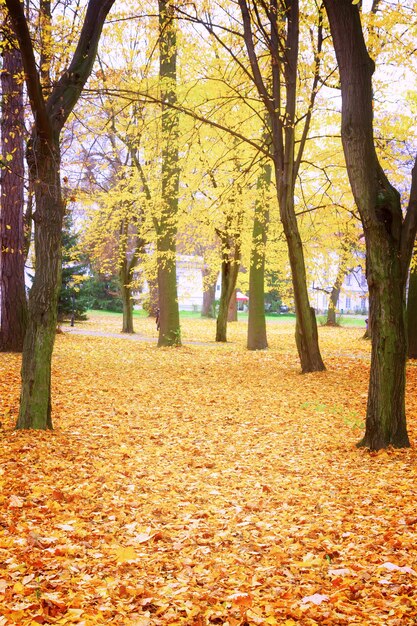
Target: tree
412 313
281 40
50 113
12 222
74 299
230 239
389 237
169 330
257 339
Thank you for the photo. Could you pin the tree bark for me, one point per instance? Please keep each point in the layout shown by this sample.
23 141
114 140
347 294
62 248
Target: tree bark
209 295
126 293
257 339
13 314
44 165
35 398
412 314
229 271
169 331
389 238
232 310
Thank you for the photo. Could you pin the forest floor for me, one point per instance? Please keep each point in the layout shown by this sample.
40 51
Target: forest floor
205 485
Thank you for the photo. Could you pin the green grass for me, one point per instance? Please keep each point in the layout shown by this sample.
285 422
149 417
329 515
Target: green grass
349 321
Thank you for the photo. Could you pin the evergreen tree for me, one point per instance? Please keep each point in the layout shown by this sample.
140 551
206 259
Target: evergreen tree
74 297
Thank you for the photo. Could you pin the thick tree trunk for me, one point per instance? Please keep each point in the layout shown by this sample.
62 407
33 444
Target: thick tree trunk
169 319
12 236
44 170
35 399
169 331
385 417
389 239
257 339
412 314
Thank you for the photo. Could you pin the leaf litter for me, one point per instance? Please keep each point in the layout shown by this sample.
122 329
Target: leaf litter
205 485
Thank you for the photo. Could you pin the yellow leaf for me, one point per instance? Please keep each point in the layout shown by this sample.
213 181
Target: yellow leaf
124 555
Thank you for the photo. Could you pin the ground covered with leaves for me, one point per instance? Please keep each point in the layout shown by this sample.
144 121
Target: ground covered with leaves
205 485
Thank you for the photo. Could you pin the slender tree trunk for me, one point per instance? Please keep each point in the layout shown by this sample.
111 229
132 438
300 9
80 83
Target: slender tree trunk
209 295
230 271
257 339
284 27
232 310
169 332
306 334
412 314
334 297
126 292
35 399
12 231
389 238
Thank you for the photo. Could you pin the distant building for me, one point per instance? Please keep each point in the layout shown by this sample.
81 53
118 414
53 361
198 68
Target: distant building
353 298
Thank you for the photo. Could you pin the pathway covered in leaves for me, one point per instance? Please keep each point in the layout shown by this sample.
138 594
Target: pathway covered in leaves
205 485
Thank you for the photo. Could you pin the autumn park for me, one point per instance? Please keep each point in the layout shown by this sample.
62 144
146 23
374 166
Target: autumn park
208 312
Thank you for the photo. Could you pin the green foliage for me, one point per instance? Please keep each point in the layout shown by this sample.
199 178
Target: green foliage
73 299
104 293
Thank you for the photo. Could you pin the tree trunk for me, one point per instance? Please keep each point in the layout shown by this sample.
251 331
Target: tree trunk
126 293
257 339
385 416
306 334
35 399
169 331
232 310
389 239
43 157
283 119
12 232
209 295
334 297
412 314
230 269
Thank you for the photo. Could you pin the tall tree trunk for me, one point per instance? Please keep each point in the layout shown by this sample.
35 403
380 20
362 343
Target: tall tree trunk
169 331
306 334
13 314
35 399
257 339
412 314
44 168
284 35
389 238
